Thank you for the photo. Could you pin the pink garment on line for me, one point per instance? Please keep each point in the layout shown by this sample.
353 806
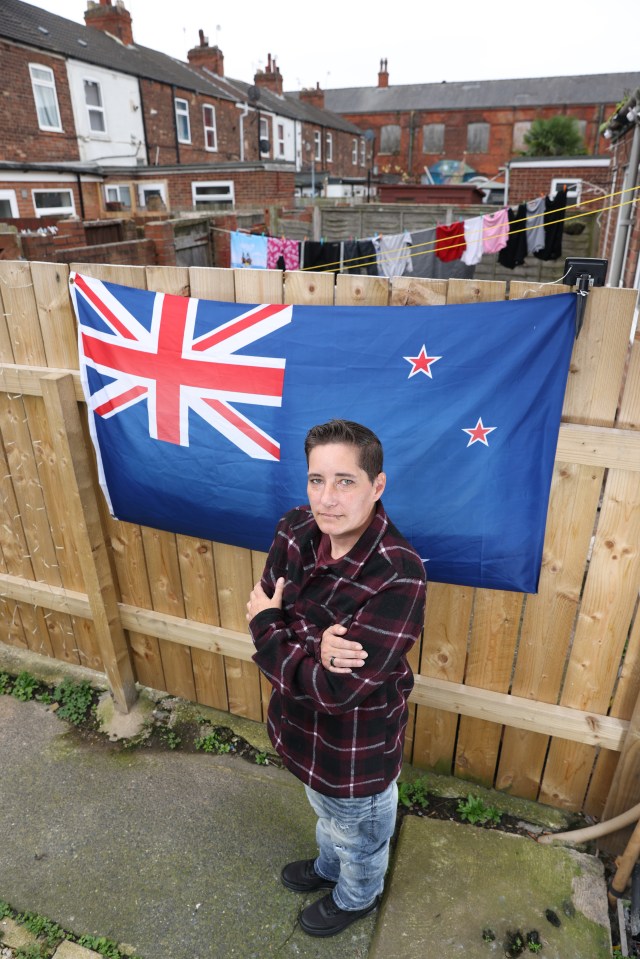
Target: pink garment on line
495 231
289 249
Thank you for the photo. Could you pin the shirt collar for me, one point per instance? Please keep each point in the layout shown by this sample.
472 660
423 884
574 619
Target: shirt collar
353 562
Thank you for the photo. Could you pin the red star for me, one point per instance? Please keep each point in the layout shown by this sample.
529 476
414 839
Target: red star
422 363
479 433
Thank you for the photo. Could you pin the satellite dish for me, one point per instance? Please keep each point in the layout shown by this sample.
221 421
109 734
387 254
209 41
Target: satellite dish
264 146
254 93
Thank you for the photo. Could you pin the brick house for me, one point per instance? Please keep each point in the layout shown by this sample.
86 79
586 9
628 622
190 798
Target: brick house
413 126
93 124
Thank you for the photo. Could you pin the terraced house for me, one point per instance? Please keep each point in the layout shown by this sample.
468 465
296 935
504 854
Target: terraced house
93 124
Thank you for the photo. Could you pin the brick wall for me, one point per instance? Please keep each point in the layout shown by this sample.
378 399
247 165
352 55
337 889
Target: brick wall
525 183
162 145
131 252
411 158
26 203
20 135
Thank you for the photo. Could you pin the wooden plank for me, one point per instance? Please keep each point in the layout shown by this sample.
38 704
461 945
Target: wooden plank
258 561
212 283
259 286
57 320
356 290
234 577
577 725
408 291
19 418
168 279
163 568
199 591
68 441
309 289
16 378
622 791
125 275
495 623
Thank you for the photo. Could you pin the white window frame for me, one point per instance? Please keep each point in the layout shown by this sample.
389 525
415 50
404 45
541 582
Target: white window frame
363 152
95 109
354 152
38 84
199 185
317 146
280 140
155 187
182 120
265 134
329 147
68 209
210 127
118 187
10 195
574 188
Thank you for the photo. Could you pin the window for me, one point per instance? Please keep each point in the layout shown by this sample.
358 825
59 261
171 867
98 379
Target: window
93 99
119 193
329 148
477 138
354 152
433 138
265 140
47 202
153 195
390 138
213 193
44 94
363 152
8 205
209 121
520 130
573 188
281 139
182 121
317 146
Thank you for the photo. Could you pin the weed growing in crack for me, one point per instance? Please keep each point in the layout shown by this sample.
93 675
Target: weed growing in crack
413 794
75 700
24 687
43 928
475 811
212 743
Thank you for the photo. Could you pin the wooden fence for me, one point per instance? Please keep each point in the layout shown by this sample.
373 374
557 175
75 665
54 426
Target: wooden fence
537 695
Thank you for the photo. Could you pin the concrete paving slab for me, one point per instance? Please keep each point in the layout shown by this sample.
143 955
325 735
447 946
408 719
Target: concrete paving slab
175 853
14 935
450 882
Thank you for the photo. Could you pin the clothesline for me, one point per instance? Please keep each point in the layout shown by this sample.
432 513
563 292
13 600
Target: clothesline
462 240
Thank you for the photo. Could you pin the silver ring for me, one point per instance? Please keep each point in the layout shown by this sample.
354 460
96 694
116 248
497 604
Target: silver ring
331 660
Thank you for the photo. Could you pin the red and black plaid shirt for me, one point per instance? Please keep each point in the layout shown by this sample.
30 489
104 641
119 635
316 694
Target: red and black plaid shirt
342 734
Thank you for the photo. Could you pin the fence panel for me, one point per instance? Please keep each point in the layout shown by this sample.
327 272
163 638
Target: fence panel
572 650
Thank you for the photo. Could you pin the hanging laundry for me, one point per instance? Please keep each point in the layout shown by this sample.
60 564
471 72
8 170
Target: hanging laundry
495 231
553 227
473 240
280 247
423 252
393 254
248 251
450 242
535 225
515 252
321 257
359 256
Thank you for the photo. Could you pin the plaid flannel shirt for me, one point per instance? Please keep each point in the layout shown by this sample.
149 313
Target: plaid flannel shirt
341 734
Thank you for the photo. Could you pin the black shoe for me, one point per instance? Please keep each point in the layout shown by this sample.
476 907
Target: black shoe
325 918
302 877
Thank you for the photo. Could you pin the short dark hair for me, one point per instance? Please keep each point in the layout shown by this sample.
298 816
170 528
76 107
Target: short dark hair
346 431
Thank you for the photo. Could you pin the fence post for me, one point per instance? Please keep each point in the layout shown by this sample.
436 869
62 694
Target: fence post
73 462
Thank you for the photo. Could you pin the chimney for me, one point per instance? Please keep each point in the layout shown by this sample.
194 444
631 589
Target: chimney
383 76
271 78
205 56
314 97
115 20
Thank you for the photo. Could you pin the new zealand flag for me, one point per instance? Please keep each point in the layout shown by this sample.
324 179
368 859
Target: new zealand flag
199 410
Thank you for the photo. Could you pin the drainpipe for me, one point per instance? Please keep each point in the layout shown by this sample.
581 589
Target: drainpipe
175 121
245 107
625 220
144 124
79 182
411 134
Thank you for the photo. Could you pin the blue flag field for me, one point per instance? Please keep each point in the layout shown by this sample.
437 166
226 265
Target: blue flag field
198 411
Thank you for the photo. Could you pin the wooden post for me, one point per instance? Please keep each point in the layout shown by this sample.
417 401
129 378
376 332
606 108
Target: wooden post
73 463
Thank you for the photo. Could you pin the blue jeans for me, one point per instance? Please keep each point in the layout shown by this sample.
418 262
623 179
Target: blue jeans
353 840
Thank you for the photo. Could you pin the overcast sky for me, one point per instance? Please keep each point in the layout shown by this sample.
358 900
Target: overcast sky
340 44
